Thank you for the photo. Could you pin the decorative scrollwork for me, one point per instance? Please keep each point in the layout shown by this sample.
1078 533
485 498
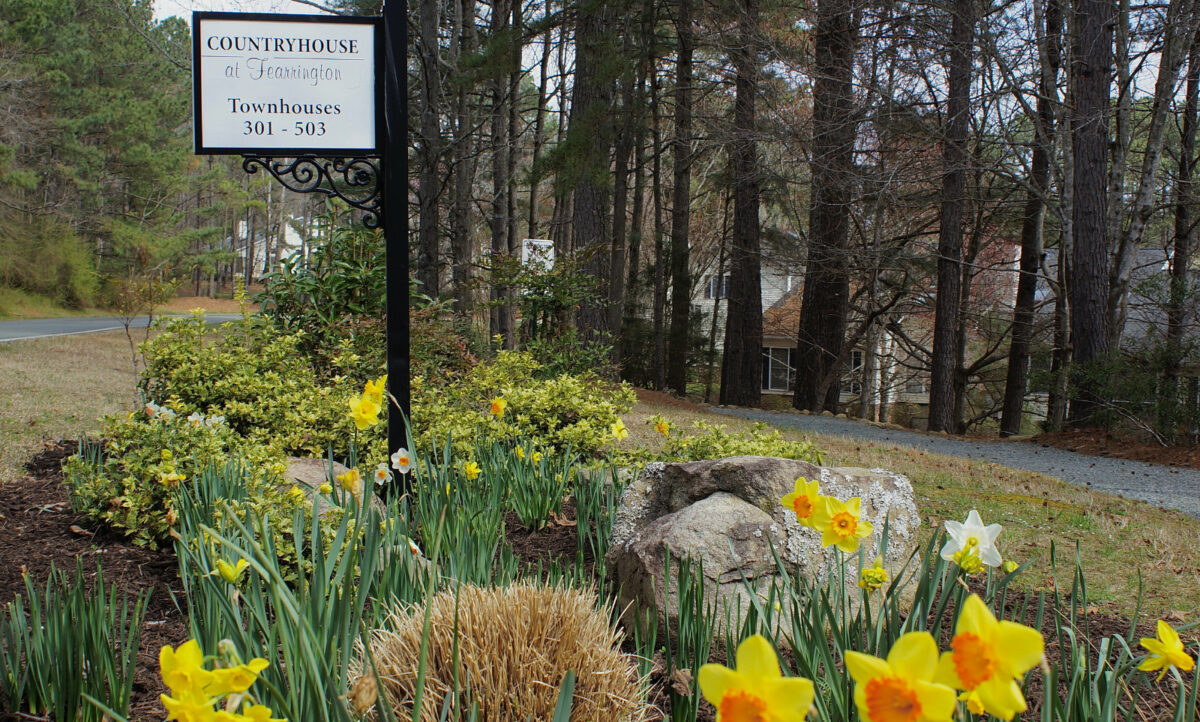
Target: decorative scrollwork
354 180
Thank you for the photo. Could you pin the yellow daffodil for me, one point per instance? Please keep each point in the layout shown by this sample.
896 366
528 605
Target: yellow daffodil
803 500
232 573
537 456
987 660
296 494
1009 566
901 688
839 523
471 469
259 713
351 481
755 691
364 412
373 390
401 461
618 430
497 408
188 707
520 452
234 680
170 479
663 427
181 668
1165 652
874 576
325 489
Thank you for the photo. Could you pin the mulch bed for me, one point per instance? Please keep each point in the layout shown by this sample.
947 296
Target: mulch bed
40 531
1120 445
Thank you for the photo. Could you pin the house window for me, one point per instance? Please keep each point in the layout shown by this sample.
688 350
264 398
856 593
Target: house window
856 360
717 287
779 372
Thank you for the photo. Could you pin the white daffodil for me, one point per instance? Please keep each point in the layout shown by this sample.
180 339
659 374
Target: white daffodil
401 461
196 418
382 475
975 538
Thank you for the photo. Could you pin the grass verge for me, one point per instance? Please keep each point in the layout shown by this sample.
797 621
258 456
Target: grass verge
58 388
1120 541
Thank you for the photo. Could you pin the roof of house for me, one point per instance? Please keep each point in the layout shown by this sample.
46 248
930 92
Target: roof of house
782 319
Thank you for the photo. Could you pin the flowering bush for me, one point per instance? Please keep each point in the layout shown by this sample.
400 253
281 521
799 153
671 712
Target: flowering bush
712 441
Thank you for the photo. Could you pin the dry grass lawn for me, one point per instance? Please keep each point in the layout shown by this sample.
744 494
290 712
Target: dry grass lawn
1119 540
58 388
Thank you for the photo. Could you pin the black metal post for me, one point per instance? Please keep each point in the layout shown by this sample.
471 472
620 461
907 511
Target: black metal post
395 219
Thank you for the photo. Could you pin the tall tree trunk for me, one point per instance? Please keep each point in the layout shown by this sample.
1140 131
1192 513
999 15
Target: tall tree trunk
716 309
429 185
637 223
660 252
509 310
741 368
1177 31
462 245
501 318
826 298
1089 262
624 149
950 234
681 280
538 126
1182 255
589 139
1032 224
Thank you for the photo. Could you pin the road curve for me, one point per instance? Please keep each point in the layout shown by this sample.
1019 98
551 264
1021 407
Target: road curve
46 327
1170 487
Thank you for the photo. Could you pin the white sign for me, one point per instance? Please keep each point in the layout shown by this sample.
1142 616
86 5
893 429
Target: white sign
539 251
285 84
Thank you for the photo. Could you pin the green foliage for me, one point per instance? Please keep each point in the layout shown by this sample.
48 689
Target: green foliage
712 441
557 413
69 639
44 256
128 483
256 377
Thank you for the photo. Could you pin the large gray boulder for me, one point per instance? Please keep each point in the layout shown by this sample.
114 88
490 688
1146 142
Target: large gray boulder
727 515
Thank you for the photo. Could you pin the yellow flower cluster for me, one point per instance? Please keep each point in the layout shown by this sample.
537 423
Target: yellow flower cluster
365 408
203 695
840 522
988 658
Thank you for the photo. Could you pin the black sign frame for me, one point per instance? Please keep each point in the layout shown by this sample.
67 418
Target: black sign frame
197 84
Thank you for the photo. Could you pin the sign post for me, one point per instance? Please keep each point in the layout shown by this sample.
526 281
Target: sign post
319 102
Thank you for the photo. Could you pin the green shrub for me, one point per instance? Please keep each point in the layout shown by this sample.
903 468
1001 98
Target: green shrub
255 376
128 482
555 413
712 441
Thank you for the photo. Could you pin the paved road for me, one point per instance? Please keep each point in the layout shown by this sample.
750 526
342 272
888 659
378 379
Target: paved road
1163 485
43 327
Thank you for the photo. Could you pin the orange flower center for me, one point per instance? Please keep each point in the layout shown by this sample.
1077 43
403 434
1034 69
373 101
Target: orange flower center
803 506
738 705
844 524
890 699
972 659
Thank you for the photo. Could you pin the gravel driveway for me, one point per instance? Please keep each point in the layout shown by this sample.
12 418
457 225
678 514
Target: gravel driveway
1162 485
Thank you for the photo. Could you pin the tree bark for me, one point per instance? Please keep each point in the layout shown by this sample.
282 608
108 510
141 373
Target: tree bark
741 367
950 235
429 185
1032 224
826 297
462 244
660 251
624 149
501 315
681 280
1089 261
589 137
